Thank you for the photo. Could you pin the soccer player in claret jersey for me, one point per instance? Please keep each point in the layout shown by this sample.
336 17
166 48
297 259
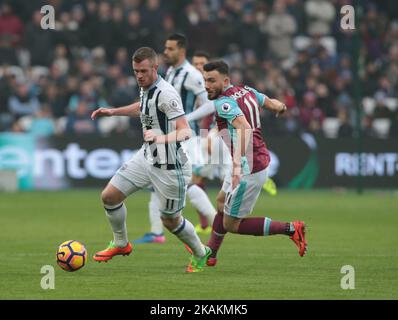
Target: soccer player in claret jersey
161 162
205 114
238 121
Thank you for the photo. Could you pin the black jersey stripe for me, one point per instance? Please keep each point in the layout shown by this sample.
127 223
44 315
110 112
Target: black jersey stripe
149 97
141 100
162 120
152 146
160 114
184 93
175 76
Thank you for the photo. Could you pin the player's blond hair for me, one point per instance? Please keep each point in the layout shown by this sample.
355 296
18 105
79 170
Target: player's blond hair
144 53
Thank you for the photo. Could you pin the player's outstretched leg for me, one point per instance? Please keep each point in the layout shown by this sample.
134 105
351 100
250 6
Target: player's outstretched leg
156 235
260 226
120 245
116 213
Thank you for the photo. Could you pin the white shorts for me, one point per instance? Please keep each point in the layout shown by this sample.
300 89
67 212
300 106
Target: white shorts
169 185
240 202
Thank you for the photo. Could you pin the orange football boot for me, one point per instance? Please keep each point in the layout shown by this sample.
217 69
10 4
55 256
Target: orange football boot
299 237
111 251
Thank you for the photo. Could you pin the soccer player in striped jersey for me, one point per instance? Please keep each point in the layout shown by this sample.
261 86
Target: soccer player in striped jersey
188 82
238 121
161 162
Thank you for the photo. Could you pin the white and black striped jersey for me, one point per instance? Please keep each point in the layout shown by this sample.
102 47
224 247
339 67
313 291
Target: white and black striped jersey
160 104
189 83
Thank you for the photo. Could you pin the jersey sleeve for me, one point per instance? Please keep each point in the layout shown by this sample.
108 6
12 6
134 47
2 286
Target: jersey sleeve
260 96
171 105
228 109
195 83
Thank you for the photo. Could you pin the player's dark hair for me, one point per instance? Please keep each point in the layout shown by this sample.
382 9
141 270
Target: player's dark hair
201 53
180 38
145 53
218 65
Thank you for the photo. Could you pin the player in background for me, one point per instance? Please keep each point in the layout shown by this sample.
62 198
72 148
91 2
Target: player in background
238 121
201 173
199 59
189 83
161 162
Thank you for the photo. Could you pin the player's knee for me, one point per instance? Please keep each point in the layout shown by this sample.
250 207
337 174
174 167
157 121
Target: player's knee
171 223
110 198
220 202
220 206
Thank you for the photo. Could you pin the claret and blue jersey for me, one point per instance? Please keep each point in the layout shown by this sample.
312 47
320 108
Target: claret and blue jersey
237 101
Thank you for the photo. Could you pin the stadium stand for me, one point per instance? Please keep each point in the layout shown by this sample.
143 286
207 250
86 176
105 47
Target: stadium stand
308 65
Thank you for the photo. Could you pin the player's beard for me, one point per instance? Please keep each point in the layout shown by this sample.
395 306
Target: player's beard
214 94
170 61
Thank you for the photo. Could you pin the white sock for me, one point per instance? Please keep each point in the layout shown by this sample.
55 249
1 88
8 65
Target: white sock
154 215
117 217
186 233
201 202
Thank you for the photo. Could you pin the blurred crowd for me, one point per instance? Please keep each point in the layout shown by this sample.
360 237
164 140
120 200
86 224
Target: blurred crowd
294 50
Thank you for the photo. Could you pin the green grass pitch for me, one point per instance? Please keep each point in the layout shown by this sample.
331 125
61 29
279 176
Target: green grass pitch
344 229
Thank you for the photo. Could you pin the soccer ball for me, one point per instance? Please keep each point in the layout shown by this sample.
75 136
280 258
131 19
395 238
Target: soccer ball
71 255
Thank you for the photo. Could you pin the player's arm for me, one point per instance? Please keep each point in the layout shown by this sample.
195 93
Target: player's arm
202 111
171 106
131 110
243 134
230 111
183 132
273 105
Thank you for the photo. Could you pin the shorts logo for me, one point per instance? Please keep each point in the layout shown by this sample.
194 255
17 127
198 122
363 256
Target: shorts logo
226 107
123 167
